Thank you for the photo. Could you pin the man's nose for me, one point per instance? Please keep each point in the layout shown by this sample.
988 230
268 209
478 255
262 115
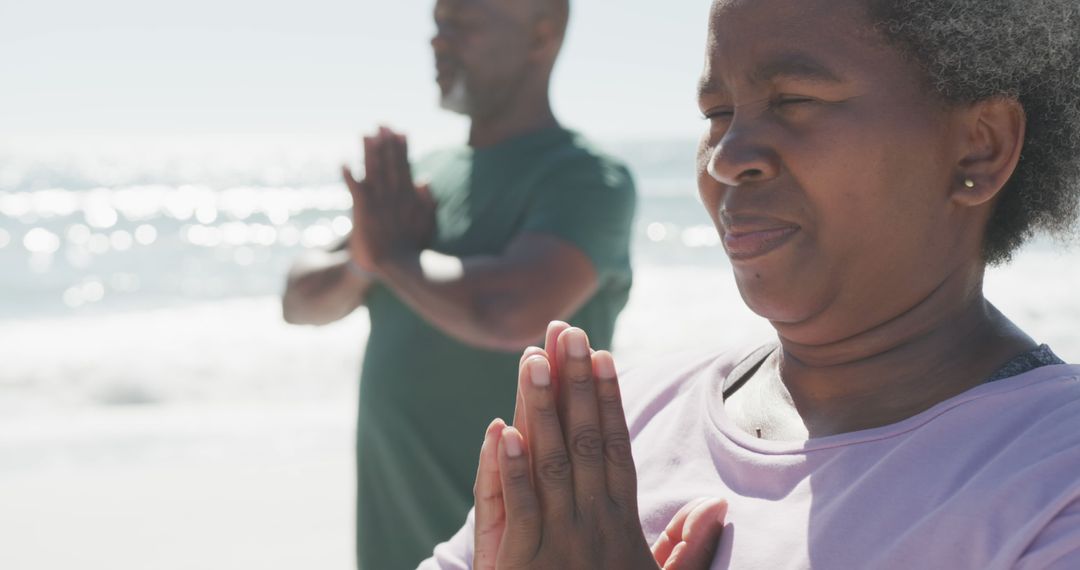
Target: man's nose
439 42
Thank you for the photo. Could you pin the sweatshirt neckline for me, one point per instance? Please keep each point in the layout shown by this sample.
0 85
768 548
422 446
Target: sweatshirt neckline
730 431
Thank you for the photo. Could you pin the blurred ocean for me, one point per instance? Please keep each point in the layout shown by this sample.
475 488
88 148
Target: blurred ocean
147 273
140 334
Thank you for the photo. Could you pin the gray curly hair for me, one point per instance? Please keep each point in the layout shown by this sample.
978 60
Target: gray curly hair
974 50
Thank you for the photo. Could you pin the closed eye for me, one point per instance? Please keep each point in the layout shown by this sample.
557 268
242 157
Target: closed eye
792 100
718 113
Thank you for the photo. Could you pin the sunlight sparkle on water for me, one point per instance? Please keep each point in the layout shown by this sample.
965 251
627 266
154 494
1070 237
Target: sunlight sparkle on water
98 244
656 231
319 235
121 240
146 234
77 234
15 205
90 291
41 240
700 236
54 203
101 216
342 225
289 236
206 236
206 214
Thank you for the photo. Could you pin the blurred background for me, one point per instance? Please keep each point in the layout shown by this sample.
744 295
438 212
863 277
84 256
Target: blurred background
161 164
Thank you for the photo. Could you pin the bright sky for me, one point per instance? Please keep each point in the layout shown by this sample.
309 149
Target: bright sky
318 67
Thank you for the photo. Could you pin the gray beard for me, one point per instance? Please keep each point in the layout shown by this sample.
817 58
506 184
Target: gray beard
457 100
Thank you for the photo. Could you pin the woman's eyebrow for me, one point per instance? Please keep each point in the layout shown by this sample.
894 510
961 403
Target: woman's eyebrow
793 66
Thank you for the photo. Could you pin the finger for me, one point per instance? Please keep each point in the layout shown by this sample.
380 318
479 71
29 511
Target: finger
523 519
519 405
403 165
619 468
372 162
551 343
581 418
487 493
700 536
389 154
350 181
356 191
676 556
550 462
423 191
531 351
673 533
554 329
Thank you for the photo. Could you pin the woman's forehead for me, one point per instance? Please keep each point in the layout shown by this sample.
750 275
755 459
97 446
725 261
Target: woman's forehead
818 40
782 9
792 22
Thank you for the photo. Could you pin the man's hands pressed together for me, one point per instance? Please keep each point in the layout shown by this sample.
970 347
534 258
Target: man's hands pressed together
391 214
559 490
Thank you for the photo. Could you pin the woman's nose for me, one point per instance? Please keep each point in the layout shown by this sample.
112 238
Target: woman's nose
740 156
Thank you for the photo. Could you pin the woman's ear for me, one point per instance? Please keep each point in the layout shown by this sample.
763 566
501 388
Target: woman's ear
993 144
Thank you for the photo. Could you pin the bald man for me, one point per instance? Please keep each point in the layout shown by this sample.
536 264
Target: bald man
524 225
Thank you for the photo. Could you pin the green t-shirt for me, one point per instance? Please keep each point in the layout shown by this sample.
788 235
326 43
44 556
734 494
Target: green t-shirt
426 398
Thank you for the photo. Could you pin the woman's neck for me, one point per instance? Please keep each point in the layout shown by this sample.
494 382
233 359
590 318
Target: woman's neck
948 343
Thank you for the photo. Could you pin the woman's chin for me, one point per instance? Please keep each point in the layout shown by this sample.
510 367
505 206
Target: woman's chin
777 309
771 295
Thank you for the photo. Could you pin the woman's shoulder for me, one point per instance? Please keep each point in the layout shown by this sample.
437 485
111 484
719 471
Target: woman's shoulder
1046 387
1046 396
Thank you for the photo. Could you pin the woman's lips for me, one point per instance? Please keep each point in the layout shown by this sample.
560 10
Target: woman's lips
745 245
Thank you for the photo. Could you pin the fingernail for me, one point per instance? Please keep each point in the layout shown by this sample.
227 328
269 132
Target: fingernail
577 344
721 517
556 324
605 365
539 372
512 442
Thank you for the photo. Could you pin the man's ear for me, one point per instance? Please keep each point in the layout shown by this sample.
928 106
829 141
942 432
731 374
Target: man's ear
994 140
546 40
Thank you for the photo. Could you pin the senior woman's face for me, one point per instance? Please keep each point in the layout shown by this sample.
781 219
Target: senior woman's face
826 167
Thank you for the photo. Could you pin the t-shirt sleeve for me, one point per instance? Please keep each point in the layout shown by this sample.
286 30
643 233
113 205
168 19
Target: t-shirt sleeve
589 202
454 554
1058 545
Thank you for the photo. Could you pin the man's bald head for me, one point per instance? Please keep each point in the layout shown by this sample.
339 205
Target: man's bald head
492 52
532 12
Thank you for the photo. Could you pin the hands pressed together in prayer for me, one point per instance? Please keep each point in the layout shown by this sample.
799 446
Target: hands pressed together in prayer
558 490
391 214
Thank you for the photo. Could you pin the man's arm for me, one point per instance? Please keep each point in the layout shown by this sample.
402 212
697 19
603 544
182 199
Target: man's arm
321 289
499 302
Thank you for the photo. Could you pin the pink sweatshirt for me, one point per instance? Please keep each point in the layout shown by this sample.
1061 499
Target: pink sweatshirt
988 480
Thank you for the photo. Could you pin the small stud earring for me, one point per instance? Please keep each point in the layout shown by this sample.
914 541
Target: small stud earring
969 183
